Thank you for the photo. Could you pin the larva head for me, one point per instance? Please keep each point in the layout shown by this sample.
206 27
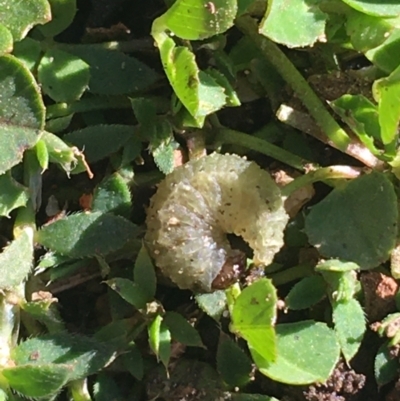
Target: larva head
231 271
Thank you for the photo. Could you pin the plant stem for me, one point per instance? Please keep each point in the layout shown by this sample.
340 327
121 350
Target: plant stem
293 77
291 274
322 174
91 103
232 137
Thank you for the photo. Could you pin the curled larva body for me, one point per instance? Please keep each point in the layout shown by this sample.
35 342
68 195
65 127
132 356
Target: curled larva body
198 204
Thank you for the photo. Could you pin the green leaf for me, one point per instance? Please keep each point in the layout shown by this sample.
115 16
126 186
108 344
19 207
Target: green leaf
206 18
160 340
212 304
46 312
100 141
336 265
112 195
387 93
297 24
144 274
253 318
21 114
232 98
388 8
113 72
59 152
133 362
105 388
84 355
42 154
87 234
154 333
62 14
164 156
350 326
129 291
158 131
307 352
357 222
365 31
16 261
198 91
306 293
19 17
28 51
361 115
38 380
12 195
386 365
232 363
384 56
181 330
63 76
6 40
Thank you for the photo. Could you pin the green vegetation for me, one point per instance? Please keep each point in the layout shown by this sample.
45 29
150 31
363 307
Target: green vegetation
88 126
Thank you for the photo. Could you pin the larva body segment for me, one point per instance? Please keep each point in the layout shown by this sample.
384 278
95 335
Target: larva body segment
198 204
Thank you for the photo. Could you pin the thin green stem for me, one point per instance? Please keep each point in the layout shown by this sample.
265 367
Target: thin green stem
322 174
99 103
232 137
293 77
291 274
87 104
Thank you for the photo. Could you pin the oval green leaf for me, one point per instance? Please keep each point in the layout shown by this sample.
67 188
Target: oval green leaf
62 14
350 326
84 355
16 261
129 291
181 330
232 363
20 16
199 19
99 141
113 72
87 234
38 380
63 76
22 111
307 352
294 24
306 293
357 222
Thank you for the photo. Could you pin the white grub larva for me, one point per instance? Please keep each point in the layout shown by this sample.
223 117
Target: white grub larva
198 204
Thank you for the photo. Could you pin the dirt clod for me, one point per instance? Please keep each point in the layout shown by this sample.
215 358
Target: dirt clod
343 385
379 292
